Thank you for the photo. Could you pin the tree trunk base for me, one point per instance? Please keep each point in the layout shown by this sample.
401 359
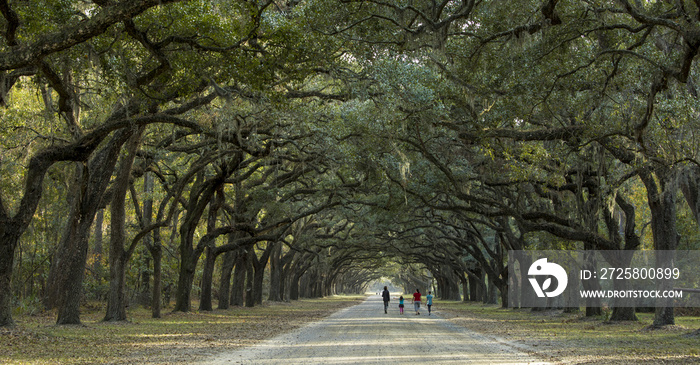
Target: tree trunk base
623 314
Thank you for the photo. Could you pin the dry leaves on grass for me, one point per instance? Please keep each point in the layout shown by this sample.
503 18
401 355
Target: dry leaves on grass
177 338
575 339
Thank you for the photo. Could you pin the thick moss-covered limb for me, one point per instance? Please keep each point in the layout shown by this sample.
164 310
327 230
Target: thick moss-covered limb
73 34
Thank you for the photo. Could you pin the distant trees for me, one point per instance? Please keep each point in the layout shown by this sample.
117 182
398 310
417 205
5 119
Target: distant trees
544 116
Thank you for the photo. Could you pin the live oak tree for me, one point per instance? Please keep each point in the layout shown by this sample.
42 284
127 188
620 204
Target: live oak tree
332 138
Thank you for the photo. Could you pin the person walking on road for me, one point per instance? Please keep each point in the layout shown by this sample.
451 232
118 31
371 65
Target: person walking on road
385 296
429 301
416 301
401 304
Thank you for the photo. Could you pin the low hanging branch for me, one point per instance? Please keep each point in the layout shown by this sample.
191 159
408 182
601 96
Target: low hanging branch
24 55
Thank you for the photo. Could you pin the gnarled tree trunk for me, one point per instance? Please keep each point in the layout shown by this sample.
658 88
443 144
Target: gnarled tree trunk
225 279
239 278
205 298
661 195
9 240
276 273
68 265
119 255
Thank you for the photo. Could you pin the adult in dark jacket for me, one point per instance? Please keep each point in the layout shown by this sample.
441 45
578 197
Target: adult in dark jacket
385 296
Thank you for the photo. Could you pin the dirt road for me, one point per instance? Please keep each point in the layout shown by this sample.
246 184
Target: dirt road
363 334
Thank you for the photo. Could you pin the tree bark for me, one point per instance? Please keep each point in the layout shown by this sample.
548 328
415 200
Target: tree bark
475 288
276 273
119 255
157 255
68 266
259 265
7 256
212 253
593 305
12 227
294 286
465 287
52 294
662 204
492 297
250 279
225 278
623 314
189 255
239 278
154 246
201 195
689 182
205 299
97 248
285 278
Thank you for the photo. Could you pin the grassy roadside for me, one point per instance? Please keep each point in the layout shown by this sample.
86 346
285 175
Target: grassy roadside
177 338
574 339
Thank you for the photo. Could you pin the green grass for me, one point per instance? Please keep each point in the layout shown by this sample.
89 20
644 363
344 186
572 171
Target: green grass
177 338
573 338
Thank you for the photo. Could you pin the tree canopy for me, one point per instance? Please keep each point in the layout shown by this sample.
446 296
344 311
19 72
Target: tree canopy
305 148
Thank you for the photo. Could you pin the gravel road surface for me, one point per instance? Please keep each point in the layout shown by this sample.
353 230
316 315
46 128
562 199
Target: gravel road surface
363 334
